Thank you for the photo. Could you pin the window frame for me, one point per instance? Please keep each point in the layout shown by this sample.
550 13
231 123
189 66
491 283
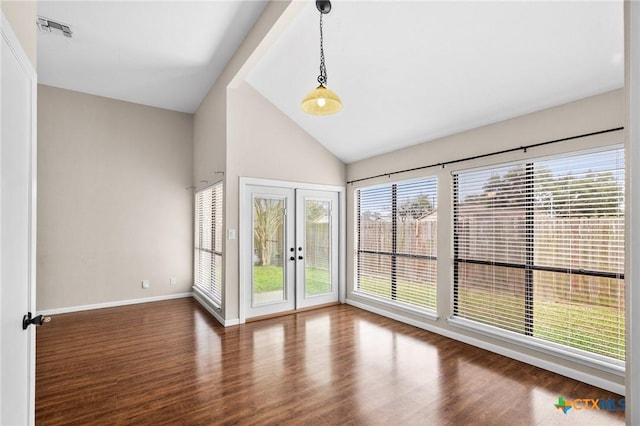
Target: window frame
211 291
394 254
527 339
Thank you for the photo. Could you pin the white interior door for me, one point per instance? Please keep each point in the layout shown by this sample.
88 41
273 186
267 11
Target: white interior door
290 246
317 240
17 231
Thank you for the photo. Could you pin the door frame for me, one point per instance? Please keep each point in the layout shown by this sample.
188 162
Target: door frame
7 34
244 243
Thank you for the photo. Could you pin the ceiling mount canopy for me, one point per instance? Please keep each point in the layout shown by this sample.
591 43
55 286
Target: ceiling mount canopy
323 6
322 101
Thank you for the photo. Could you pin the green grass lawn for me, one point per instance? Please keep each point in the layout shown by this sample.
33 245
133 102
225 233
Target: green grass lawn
416 294
270 278
579 326
575 325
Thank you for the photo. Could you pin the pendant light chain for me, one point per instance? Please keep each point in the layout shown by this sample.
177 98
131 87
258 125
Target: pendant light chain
322 78
322 101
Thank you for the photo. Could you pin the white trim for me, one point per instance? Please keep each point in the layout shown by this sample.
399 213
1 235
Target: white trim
16 47
549 348
433 316
243 246
198 207
518 356
113 304
289 184
231 322
332 197
208 304
342 249
632 212
245 240
17 51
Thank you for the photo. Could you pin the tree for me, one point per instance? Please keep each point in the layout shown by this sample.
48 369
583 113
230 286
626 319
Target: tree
508 190
267 223
590 195
415 208
315 210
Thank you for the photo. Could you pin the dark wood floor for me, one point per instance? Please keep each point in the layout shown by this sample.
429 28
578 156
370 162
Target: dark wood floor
172 363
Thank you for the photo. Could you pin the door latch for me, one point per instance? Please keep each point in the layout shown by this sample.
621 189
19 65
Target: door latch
27 320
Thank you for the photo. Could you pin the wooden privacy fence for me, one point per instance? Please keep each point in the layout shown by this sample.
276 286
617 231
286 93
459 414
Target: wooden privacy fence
317 245
499 235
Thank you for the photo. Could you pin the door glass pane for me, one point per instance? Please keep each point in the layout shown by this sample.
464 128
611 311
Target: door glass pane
268 251
317 263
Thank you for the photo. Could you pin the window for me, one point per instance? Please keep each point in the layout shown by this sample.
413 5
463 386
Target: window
539 251
208 242
396 247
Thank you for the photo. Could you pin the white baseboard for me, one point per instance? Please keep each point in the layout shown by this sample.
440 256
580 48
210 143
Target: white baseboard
204 301
112 304
213 310
518 356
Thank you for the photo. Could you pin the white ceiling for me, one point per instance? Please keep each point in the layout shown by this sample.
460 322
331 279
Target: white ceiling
412 71
165 54
407 71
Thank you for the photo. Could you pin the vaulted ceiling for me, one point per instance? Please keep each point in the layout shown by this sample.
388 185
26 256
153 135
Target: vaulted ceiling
165 54
407 71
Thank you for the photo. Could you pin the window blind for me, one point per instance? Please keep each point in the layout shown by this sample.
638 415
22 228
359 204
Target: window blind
539 250
208 242
396 243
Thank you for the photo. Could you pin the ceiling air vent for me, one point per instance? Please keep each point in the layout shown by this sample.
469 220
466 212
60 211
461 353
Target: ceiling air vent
47 25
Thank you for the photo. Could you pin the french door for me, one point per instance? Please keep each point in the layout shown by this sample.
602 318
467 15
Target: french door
293 248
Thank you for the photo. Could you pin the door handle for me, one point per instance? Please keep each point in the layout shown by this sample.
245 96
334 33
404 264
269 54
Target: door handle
300 257
292 258
27 320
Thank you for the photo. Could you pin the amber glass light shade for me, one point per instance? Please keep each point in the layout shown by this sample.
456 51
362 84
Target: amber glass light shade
321 101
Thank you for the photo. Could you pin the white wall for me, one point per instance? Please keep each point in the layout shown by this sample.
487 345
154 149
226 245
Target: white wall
113 208
588 115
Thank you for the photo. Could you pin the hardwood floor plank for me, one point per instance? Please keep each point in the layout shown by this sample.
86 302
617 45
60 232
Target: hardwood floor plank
171 363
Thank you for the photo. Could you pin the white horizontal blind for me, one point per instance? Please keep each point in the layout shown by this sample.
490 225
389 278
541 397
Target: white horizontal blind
396 247
539 249
208 242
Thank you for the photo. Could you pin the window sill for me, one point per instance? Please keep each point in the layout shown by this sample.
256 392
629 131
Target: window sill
427 314
207 298
585 358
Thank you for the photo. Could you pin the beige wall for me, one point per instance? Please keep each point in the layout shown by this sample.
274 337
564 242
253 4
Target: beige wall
238 132
210 121
264 143
22 17
585 116
113 208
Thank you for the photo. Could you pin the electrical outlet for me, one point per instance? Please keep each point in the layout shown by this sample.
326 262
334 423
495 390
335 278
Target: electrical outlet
145 283
172 281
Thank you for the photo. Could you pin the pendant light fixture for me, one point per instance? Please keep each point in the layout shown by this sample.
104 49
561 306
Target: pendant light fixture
322 101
